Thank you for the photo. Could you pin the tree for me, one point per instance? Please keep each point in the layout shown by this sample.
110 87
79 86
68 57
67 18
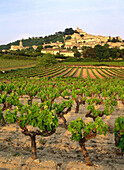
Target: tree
122 54
89 53
113 52
114 40
39 48
63 46
74 48
102 52
82 35
60 56
77 54
68 31
85 47
106 55
47 60
48 46
68 38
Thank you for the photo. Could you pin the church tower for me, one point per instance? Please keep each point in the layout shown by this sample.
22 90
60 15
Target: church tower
20 44
79 30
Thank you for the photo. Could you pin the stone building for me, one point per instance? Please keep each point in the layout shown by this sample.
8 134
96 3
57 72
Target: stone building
58 51
34 47
18 47
80 39
79 30
50 50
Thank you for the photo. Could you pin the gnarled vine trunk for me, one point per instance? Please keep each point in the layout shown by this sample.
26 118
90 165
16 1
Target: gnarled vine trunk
82 141
3 122
33 146
77 106
84 152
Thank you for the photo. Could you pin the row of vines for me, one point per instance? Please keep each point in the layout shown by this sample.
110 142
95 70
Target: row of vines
44 115
65 71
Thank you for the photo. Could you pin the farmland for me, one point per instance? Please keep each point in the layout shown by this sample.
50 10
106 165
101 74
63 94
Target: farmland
66 93
91 72
61 94
6 64
96 63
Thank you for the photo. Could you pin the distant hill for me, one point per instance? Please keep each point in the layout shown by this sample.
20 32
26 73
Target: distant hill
58 36
69 38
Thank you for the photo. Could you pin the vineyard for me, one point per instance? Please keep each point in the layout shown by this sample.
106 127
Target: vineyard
62 117
6 64
90 72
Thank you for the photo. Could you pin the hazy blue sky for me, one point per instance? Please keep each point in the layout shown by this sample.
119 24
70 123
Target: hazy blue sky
30 18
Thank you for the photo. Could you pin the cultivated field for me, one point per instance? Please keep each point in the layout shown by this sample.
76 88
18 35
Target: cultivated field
7 64
92 72
33 100
58 151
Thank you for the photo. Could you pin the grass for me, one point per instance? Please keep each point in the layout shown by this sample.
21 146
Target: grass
96 63
6 64
88 75
80 72
12 63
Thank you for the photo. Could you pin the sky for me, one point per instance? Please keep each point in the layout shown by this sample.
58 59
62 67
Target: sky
35 18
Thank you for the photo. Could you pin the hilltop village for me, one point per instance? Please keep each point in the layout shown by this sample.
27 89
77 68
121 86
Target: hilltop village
78 39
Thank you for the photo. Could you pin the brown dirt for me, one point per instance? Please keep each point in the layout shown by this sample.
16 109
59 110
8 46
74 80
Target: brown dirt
77 73
117 73
58 152
84 74
81 76
92 76
110 74
58 72
71 72
120 72
99 75
104 73
65 72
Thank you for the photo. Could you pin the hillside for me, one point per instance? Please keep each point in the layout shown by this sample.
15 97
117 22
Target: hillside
68 39
58 36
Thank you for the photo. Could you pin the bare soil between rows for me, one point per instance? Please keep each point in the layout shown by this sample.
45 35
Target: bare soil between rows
58 152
